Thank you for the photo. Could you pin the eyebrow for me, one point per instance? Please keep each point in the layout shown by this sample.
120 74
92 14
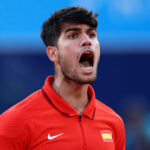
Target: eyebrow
79 29
72 29
89 29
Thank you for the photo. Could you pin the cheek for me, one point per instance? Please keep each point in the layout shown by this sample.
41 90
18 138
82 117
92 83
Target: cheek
67 56
70 51
97 48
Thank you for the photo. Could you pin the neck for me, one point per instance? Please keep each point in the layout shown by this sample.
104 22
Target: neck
74 93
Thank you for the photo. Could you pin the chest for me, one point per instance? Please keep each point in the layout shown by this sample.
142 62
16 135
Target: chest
71 133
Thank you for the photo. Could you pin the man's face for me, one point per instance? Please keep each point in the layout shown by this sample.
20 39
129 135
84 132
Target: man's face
79 52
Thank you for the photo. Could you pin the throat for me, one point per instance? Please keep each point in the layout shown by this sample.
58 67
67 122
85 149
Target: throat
79 104
75 95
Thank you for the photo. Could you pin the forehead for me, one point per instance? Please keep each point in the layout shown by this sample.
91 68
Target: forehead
67 26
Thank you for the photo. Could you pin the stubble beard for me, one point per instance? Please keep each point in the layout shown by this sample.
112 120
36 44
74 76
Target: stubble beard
71 75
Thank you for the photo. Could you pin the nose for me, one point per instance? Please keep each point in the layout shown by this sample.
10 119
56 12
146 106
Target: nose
85 40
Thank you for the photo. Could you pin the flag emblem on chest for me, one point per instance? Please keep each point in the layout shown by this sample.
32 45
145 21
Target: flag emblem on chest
106 135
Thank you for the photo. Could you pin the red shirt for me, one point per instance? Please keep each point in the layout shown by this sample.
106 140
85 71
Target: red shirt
45 121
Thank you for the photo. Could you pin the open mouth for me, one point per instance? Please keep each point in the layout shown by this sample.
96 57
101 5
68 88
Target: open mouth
87 59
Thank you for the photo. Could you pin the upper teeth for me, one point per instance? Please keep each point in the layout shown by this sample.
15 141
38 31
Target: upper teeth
87 52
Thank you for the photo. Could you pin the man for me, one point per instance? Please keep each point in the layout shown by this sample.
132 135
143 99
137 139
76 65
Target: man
64 114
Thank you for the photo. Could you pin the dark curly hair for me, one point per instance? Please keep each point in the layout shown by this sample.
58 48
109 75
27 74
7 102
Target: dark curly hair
52 27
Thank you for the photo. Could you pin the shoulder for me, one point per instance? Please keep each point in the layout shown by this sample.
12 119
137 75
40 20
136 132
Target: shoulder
108 112
13 121
112 122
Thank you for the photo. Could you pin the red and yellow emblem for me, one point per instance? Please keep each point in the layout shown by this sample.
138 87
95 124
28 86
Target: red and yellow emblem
107 136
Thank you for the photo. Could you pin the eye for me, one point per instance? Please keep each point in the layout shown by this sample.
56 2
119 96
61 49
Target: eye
73 36
92 35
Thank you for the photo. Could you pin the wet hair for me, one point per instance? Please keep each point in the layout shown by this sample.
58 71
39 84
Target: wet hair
51 28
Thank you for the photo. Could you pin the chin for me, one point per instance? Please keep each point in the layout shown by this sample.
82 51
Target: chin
90 81
81 79
86 80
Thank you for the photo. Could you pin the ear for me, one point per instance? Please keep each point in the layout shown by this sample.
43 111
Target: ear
52 53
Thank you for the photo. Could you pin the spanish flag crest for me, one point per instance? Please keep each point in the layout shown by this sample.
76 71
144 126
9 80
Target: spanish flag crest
106 135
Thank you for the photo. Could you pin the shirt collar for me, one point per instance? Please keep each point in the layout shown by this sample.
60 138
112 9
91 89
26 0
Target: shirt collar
60 104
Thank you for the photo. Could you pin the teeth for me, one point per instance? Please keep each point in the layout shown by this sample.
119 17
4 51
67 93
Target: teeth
87 68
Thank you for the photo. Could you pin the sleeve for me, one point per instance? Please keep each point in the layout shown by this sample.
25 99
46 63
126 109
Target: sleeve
121 139
7 143
14 134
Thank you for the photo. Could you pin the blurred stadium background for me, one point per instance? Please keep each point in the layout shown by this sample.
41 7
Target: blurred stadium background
124 71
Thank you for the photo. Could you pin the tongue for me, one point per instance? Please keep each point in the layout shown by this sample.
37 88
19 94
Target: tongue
85 64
